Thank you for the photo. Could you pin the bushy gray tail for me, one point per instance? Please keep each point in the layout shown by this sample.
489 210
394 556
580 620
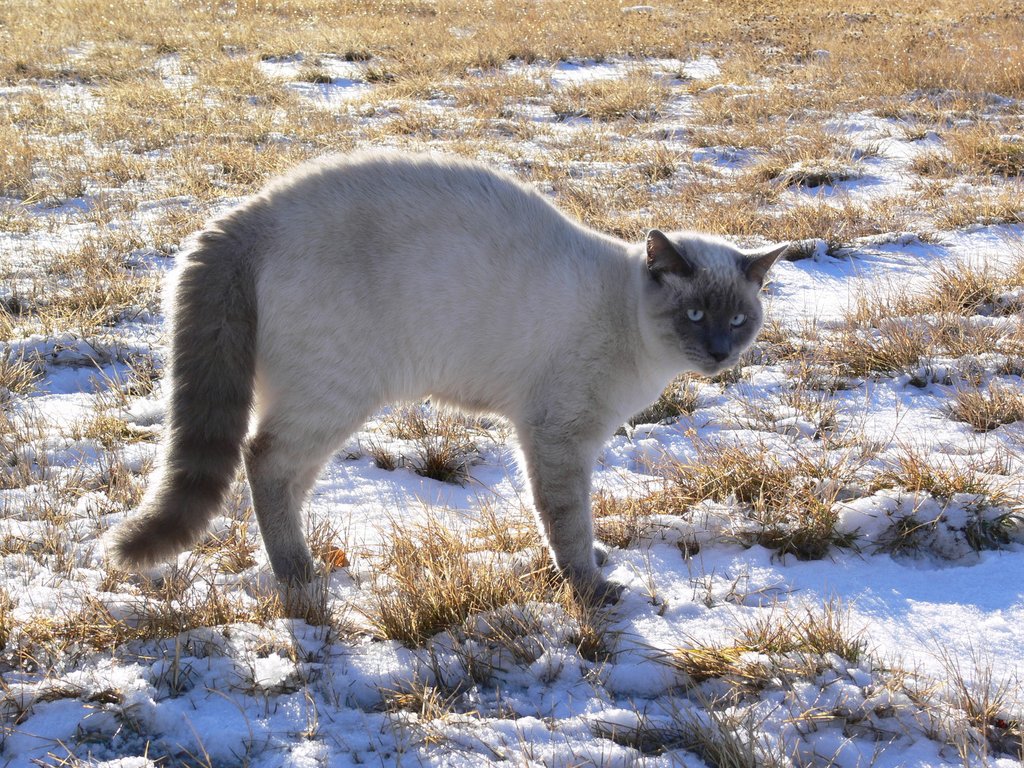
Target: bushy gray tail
212 370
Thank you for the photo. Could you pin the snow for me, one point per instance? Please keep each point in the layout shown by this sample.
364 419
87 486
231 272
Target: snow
290 694
563 73
338 81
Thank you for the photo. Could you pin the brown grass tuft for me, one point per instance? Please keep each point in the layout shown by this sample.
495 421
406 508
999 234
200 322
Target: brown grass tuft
16 157
431 578
17 377
788 505
911 470
986 409
982 150
439 443
798 645
638 96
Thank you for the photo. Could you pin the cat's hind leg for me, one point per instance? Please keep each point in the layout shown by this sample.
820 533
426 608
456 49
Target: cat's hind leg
292 442
280 473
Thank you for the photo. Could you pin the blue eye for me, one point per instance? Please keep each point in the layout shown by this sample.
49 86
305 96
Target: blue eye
696 315
738 320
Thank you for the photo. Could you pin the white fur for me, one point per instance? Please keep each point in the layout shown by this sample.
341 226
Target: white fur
385 277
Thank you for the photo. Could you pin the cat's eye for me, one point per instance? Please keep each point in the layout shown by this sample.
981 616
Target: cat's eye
738 320
696 315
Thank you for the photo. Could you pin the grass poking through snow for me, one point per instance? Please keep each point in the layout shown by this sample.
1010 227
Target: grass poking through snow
121 133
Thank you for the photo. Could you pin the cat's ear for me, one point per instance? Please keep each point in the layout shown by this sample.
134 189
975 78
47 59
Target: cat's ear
757 263
663 257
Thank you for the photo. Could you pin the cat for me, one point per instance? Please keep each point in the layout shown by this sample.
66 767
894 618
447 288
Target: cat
360 280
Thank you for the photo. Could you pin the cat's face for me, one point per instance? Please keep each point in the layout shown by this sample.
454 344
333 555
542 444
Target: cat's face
704 297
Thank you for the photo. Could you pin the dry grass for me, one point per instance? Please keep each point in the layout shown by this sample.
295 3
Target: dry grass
786 503
426 701
499 95
176 608
214 169
894 346
967 289
992 511
972 710
914 472
638 96
620 522
982 150
431 578
712 207
877 52
1004 206
328 545
436 443
979 150
879 339
499 531
933 164
816 633
987 409
906 332
752 118
106 429
88 288
17 377
808 159
16 157
781 647
231 551
815 173
232 114
20 468
796 411
6 621
134 122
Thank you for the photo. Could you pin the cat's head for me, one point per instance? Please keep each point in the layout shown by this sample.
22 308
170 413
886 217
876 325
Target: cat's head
702 297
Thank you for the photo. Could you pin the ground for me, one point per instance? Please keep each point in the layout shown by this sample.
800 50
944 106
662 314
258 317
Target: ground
822 549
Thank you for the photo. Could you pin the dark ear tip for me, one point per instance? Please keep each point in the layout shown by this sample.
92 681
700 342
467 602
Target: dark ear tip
656 244
665 256
758 265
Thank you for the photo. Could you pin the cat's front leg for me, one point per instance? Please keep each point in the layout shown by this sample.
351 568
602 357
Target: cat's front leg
558 465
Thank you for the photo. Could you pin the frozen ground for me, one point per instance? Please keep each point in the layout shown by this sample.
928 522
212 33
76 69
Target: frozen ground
282 692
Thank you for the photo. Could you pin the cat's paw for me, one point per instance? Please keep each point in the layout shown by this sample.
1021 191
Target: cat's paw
594 589
601 553
308 601
293 567
607 593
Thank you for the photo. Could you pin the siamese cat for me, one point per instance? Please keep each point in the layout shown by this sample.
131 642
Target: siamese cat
362 280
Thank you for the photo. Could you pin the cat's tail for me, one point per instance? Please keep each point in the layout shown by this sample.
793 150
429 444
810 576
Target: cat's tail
211 379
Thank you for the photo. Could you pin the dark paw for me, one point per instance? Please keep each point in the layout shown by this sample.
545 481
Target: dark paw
608 593
601 553
309 602
598 592
295 570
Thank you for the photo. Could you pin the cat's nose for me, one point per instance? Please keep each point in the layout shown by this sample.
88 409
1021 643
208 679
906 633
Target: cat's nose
718 345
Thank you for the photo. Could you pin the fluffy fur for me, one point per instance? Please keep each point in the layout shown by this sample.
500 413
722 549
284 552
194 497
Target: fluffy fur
362 280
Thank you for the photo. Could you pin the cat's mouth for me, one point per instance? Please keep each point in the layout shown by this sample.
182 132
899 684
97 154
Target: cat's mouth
714 367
